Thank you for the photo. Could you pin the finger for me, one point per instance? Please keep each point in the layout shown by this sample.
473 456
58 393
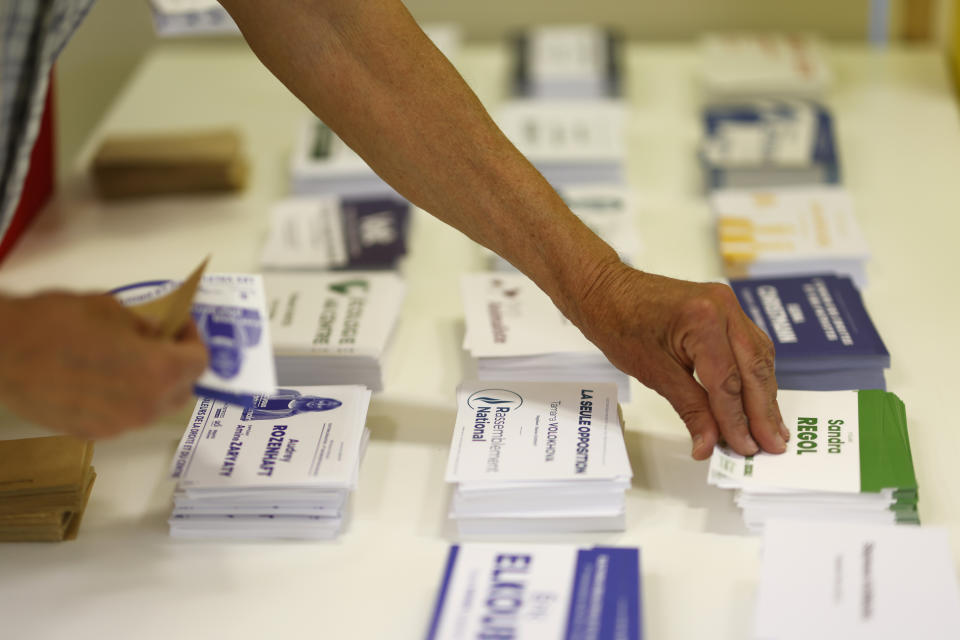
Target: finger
177 398
716 366
188 354
690 402
754 354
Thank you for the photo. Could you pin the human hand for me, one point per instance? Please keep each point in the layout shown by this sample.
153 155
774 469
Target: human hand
662 330
85 365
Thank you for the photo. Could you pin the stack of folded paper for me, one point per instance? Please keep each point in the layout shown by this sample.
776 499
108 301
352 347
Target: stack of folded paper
283 468
332 328
538 457
569 141
769 142
328 232
567 61
848 460
823 335
516 333
44 487
788 232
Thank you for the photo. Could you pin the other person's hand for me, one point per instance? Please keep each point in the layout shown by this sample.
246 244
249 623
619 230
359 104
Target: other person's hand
662 331
85 365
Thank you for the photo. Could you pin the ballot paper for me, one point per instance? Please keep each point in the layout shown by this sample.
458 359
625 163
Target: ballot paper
569 141
332 328
567 61
538 457
45 484
789 232
283 467
230 314
546 592
181 18
327 232
515 332
856 582
738 65
769 142
823 335
323 164
609 210
848 460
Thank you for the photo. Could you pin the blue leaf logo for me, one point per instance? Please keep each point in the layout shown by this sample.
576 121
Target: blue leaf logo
498 397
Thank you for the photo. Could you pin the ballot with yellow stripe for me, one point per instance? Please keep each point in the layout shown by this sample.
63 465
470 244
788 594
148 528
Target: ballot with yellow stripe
789 231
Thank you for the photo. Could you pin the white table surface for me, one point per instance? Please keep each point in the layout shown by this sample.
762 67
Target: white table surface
899 138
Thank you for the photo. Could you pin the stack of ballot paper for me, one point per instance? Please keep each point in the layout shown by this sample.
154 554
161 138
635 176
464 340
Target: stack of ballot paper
332 328
283 468
569 142
567 61
44 487
180 18
822 333
856 582
323 164
768 142
609 211
788 232
848 459
773 64
544 592
327 232
538 457
230 314
515 332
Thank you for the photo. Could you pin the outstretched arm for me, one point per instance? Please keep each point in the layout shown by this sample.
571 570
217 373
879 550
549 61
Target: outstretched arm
367 70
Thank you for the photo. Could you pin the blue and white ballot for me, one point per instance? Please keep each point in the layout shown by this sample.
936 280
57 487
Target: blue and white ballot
282 468
329 232
544 431
299 437
538 457
229 310
547 592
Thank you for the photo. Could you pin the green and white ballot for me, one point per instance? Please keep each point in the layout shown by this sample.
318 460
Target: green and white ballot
848 459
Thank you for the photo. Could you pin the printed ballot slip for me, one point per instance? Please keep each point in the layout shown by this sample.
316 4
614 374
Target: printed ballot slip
332 328
738 65
323 164
515 332
283 467
230 314
789 232
610 211
767 143
538 457
823 335
848 459
548 592
329 232
567 61
569 141
856 582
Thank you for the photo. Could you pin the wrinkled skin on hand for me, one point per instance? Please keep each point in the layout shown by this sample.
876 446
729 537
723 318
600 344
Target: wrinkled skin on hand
85 365
662 330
